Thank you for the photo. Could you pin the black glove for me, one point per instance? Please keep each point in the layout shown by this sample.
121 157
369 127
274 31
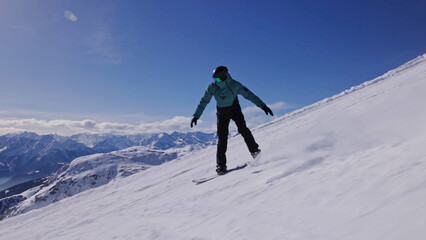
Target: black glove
267 110
194 120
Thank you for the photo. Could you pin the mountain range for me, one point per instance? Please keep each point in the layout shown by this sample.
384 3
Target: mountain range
27 156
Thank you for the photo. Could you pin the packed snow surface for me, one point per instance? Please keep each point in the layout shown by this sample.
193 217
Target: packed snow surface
349 167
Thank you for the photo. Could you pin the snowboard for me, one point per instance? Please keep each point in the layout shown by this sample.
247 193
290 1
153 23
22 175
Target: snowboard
206 179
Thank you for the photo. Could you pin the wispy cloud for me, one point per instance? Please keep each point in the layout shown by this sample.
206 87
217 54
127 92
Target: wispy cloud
70 16
14 113
18 120
69 127
104 45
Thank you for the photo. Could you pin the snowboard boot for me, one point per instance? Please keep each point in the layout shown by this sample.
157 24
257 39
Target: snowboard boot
221 170
255 153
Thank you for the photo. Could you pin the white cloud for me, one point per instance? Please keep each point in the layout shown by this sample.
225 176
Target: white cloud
275 107
47 123
14 113
70 16
69 127
255 116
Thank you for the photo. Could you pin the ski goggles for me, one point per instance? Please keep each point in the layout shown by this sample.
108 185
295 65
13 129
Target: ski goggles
218 80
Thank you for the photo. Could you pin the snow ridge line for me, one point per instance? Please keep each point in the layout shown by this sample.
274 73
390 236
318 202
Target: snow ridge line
406 66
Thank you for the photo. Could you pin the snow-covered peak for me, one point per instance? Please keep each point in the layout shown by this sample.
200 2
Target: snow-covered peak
23 135
28 152
89 139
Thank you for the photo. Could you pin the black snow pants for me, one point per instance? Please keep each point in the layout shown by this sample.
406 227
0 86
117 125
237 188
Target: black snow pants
224 115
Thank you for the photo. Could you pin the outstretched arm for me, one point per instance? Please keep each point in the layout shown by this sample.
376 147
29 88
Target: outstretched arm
203 103
249 95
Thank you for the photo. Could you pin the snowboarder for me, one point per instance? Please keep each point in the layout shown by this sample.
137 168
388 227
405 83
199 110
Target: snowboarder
225 91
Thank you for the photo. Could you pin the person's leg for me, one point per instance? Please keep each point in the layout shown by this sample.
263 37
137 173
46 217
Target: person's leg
239 120
222 134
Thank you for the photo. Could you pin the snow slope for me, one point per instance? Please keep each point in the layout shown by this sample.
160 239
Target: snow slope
349 167
84 173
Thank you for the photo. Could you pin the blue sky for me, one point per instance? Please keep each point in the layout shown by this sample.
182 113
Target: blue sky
132 66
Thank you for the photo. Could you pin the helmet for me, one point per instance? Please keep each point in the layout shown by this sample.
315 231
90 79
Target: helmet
220 72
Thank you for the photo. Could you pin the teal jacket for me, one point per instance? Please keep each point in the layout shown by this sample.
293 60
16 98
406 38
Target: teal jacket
225 93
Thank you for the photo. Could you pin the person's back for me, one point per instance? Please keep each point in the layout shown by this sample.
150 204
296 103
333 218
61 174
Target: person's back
225 91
